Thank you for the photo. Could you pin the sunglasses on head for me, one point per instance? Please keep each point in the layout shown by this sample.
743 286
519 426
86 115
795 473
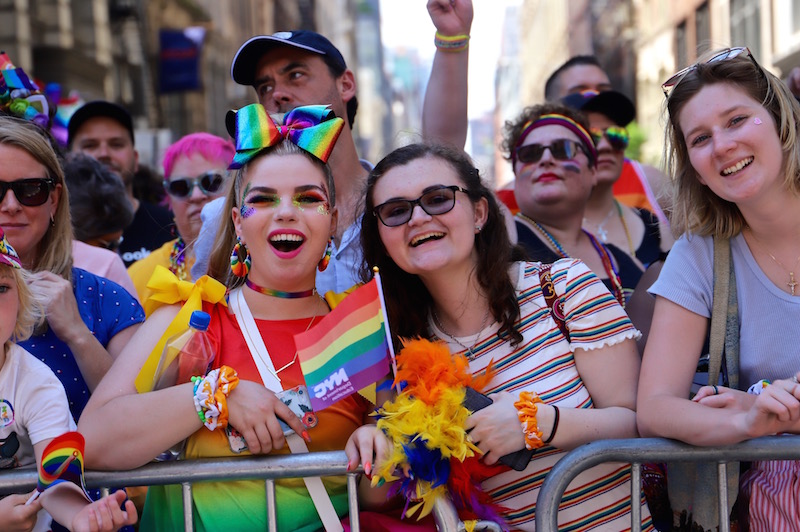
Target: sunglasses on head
29 192
615 135
729 53
208 183
560 149
435 201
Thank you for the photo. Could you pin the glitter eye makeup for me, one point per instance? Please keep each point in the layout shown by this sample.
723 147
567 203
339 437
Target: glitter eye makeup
307 198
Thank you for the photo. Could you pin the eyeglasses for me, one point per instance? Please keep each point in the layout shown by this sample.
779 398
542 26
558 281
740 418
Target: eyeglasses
615 135
729 53
208 183
561 149
436 201
29 192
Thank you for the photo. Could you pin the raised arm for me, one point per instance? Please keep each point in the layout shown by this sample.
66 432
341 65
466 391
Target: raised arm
444 116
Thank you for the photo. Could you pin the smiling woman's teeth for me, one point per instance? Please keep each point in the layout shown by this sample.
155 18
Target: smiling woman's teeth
738 166
423 238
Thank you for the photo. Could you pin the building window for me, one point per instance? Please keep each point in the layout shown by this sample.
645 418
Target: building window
681 49
746 25
702 25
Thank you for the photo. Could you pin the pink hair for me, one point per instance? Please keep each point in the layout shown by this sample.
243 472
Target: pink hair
208 146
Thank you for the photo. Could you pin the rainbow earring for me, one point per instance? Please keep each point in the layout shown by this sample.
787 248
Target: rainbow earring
326 257
240 267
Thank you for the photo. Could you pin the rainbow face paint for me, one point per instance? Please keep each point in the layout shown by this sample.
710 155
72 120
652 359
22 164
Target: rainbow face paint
245 210
307 197
312 197
569 166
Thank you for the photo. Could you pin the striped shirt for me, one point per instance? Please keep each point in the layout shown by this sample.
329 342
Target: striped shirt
599 498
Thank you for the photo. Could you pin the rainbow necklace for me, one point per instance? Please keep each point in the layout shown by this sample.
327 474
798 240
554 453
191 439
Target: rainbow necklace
279 293
177 259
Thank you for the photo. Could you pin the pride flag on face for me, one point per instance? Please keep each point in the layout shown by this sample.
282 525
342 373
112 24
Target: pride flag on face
348 350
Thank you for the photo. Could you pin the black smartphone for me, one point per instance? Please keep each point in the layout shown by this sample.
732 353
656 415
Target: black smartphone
474 401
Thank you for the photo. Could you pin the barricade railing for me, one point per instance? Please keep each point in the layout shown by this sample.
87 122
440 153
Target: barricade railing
268 468
646 450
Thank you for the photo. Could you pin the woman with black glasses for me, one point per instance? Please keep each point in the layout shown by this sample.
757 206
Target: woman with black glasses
734 160
555 165
195 169
89 319
450 272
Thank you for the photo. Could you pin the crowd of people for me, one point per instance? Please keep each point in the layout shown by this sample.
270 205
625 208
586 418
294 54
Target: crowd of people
590 292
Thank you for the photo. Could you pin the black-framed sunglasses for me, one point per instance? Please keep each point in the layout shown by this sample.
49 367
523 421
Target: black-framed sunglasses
438 200
729 53
616 136
561 149
29 192
208 182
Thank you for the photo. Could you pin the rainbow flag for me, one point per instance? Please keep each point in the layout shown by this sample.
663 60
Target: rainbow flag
348 350
62 461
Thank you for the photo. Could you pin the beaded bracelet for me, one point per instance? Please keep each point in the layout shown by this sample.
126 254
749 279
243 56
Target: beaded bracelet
451 43
526 410
211 394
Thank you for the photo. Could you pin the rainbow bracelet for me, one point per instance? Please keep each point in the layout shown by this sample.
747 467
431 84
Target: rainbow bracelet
451 43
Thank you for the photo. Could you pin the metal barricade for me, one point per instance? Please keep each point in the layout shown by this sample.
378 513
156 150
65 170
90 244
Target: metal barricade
643 450
268 468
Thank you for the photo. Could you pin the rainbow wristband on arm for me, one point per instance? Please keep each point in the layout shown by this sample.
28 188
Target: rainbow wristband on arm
451 43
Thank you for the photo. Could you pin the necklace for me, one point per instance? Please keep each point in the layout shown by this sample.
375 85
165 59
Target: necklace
792 284
601 227
279 293
177 259
471 354
553 242
294 359
625 227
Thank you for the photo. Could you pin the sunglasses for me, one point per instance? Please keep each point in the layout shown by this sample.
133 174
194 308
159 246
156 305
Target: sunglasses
111 245
561 149
29 192
729 53
615 135
436 201
208 183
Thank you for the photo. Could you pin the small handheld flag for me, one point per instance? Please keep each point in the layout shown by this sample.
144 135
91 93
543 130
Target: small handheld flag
347 350
62 462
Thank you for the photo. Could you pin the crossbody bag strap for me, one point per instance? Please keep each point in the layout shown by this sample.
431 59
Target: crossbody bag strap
719 310
258 351
554 303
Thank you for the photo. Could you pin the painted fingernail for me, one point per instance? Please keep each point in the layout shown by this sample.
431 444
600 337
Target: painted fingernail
368 468
349 465
305 436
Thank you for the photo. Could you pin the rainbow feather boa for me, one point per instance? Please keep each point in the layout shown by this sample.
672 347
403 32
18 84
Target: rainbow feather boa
425 423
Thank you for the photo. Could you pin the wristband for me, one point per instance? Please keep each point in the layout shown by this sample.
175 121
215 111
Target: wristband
526 411
451 43
555 426
210 396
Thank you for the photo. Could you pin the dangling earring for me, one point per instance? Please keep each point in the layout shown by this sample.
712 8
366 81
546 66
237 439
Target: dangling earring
52 220
239 267
326 258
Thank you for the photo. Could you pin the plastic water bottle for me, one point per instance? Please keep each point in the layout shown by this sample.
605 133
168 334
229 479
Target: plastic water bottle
189 353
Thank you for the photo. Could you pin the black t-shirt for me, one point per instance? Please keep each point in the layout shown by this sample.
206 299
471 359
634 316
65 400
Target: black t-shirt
151 227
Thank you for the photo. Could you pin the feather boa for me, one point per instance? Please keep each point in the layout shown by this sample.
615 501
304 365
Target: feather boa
425 423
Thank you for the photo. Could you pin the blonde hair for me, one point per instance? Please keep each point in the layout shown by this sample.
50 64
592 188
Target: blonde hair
219 264
31 309
696 209
54 250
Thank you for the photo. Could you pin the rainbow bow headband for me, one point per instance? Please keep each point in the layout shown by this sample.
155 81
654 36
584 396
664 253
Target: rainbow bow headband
313 128
558 120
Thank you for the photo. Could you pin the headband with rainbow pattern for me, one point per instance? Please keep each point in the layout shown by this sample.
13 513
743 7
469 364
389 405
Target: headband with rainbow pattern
313 128
558 120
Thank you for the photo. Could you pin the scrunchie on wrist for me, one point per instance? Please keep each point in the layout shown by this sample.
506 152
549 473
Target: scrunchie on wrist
526 410
211 396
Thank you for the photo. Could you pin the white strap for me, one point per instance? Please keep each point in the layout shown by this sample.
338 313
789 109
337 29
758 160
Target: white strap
254 341
322 501
258 350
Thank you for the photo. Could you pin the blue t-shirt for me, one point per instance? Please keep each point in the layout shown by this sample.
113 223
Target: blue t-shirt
106 308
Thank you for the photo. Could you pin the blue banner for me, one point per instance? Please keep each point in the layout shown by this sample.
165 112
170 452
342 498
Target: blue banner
179 59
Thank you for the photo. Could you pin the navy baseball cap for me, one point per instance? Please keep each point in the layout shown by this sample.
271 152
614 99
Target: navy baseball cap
243 68
95 109
615 105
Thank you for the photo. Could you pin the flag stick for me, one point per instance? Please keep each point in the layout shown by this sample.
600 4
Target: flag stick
376 271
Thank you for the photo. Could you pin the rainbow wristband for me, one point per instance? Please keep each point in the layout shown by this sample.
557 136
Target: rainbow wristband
451 43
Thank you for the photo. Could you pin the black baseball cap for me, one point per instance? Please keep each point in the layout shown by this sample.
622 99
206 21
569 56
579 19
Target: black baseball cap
615 105
243 68
95 109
